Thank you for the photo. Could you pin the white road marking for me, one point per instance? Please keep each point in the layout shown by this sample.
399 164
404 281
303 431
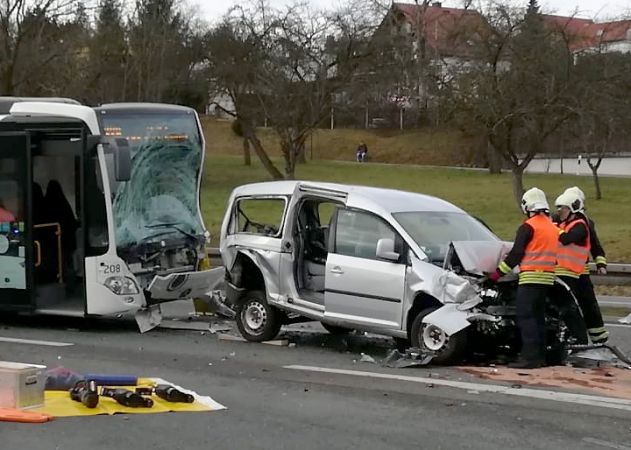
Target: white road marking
618 325
606 444
35 342
565 397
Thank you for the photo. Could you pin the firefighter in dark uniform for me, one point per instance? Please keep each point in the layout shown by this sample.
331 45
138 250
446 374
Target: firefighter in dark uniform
573 253
534 250
584 288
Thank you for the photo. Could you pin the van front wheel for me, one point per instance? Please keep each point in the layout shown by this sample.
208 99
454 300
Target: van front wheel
447 349
256 319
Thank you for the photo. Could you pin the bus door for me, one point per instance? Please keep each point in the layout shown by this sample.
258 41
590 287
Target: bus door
18 254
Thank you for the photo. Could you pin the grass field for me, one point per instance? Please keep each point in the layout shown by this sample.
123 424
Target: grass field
486 196
426 146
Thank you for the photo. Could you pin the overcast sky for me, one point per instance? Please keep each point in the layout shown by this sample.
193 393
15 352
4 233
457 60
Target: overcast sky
600 9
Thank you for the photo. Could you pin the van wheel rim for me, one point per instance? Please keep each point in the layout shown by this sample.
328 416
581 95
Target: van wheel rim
254 317
434 338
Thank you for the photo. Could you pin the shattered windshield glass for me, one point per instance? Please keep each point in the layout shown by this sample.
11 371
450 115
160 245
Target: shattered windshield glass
161 199
433 231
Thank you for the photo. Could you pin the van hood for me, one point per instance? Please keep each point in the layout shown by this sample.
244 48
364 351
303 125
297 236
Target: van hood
466 261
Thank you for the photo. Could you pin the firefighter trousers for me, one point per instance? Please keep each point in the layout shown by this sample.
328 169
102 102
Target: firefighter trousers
531 321
591 311
564 300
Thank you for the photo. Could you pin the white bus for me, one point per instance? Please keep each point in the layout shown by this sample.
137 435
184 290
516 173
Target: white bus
100 209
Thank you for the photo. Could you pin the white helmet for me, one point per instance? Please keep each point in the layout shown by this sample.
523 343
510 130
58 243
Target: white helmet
534 199
570 199
575 190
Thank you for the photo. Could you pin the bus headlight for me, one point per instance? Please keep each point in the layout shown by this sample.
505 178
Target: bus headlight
121 285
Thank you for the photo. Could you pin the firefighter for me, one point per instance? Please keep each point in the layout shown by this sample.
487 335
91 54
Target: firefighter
573 252
534 250
585 289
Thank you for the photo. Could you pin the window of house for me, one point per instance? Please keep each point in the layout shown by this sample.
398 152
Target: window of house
262 216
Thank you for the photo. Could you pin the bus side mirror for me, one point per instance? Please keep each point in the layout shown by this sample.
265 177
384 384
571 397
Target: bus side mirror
122 160
119 147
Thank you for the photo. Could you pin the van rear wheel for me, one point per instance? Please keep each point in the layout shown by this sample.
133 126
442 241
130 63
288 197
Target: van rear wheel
257 321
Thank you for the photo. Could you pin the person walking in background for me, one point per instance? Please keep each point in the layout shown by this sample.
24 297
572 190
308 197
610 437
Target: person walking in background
361 152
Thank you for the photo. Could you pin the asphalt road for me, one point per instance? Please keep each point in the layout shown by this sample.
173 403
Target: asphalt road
272 406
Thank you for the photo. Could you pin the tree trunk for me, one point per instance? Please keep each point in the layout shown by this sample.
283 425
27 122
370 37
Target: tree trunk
595 168
301 157
289 153
247 160
518 184
495 162
262 155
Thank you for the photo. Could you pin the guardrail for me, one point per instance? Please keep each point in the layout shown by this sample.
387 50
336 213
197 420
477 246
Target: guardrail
215 257
617 275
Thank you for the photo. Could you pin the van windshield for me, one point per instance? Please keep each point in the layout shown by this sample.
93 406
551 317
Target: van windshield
434 231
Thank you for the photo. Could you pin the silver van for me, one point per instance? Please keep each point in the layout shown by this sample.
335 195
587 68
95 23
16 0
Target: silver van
356 257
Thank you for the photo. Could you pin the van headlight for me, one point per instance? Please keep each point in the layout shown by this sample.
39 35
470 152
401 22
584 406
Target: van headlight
121 285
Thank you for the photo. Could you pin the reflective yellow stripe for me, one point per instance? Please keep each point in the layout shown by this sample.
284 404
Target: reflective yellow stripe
536 277
572 259
537 254
538 263
563 272
577 249
598 330
504 268
601 260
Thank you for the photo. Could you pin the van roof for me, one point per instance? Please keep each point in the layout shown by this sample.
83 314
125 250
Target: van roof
371 198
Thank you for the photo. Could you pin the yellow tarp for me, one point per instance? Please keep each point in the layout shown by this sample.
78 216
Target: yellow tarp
59 403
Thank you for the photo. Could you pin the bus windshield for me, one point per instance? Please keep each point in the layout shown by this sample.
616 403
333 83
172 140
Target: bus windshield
161 199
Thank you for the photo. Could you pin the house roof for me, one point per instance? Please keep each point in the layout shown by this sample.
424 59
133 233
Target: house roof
585 33
450 31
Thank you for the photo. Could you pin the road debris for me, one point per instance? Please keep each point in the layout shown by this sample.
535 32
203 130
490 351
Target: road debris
367 358
597 356
277 342
625 320
413 357
174 324
220 328
230 337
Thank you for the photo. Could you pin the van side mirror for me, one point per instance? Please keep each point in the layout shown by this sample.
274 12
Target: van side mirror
385 250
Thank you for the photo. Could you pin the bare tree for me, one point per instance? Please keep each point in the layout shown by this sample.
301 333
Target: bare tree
284 66
602 121
29 38
517 93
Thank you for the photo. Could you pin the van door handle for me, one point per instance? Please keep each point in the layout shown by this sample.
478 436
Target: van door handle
336 270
